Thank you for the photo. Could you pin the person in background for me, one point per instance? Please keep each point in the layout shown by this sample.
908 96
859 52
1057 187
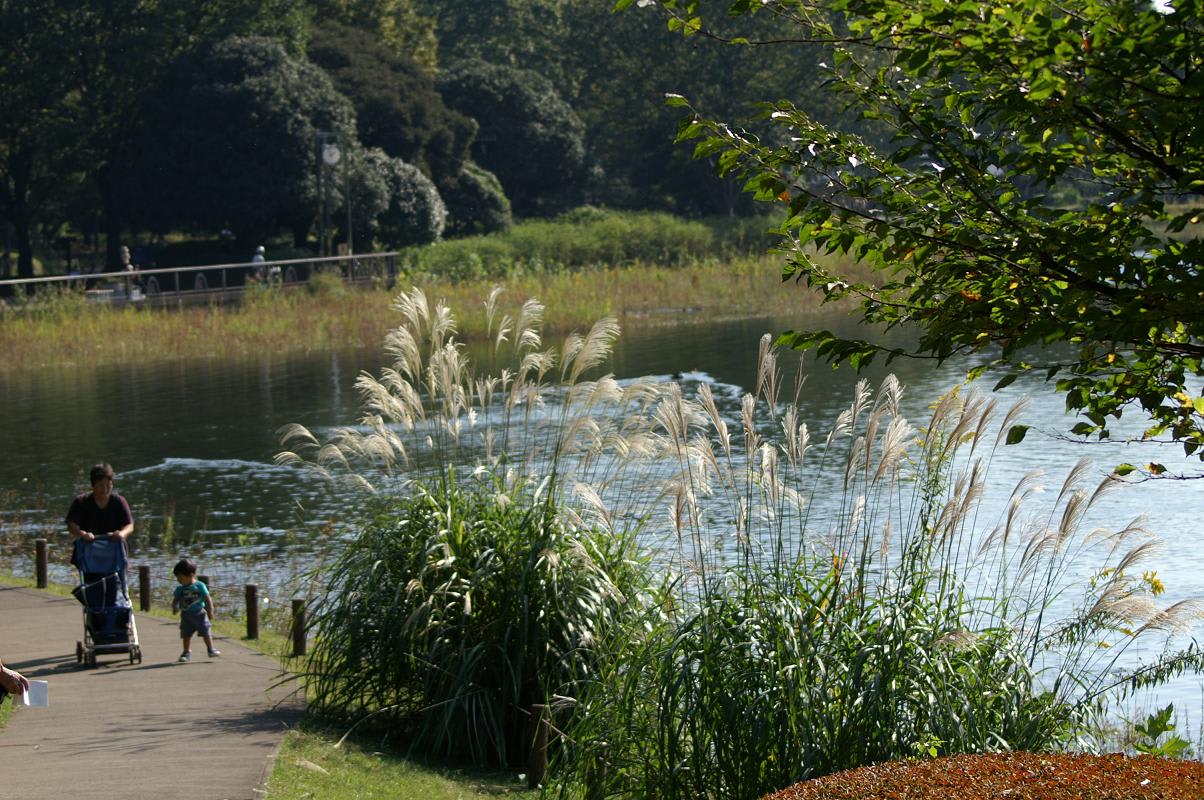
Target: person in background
130 269
261 270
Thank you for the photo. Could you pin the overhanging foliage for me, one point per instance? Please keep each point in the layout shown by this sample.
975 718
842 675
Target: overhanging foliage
1041 185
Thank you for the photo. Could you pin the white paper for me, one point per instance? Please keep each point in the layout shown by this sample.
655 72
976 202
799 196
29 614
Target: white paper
38 694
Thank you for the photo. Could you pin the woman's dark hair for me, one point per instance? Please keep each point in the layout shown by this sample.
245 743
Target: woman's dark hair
101 471
184 567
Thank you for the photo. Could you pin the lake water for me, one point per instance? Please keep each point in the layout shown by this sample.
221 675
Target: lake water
193 445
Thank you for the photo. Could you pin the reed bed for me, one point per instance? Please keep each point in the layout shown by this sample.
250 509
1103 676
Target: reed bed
704 629
64 330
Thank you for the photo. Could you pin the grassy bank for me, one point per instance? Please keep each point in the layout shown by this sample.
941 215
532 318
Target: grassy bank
66 331
313 764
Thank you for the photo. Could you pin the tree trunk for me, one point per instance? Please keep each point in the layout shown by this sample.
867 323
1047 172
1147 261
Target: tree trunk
300 234
112 217
19 203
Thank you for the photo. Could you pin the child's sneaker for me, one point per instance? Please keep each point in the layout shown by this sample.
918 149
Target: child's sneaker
214 653
185 656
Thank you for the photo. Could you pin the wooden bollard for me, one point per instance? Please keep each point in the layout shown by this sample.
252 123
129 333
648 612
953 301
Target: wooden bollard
40 562
144 590
298 627
252 593
537 764
595 779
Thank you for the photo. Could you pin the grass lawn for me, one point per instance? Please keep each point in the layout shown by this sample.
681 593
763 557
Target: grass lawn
310 766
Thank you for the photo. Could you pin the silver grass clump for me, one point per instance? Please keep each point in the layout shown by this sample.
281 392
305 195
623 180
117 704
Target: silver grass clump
623 454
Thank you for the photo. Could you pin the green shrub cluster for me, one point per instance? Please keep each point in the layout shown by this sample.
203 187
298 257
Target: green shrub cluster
583 239
458 608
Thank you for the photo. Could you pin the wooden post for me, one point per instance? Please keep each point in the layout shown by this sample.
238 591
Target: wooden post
40 561
252 592
537 764
595 779
298 627
144 590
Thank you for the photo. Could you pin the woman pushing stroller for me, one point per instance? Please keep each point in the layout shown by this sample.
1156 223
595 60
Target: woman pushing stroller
100 523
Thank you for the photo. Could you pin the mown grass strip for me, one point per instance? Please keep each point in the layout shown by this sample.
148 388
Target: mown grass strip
310 765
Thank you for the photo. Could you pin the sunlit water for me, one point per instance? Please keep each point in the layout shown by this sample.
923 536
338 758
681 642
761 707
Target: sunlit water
193 444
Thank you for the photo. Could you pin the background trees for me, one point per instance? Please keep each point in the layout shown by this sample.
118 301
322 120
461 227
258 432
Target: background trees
230 140
571 98
529 137
1041 185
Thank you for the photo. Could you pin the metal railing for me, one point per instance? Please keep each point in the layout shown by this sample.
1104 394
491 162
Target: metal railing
214 279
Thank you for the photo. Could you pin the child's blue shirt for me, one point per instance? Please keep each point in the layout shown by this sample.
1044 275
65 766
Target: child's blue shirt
190 598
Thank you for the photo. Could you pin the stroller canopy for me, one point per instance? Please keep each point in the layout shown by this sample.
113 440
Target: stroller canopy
103 556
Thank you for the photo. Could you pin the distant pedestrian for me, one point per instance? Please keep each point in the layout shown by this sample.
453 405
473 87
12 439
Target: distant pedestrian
131 270
261 270
195 604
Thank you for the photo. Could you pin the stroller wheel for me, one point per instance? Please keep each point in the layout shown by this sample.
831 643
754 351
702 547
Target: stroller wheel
139 651
79 652
133 654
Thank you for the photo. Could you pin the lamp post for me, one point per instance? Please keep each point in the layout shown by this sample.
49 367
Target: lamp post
328 155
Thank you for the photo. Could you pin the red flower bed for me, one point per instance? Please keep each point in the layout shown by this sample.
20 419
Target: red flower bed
1011 776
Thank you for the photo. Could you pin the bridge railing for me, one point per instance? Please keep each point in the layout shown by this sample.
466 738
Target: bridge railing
210 279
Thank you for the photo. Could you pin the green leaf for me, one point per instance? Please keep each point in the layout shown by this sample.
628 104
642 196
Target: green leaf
1006 380
1016 434
1122 470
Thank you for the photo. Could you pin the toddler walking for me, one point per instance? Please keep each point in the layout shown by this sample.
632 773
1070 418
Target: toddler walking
195 605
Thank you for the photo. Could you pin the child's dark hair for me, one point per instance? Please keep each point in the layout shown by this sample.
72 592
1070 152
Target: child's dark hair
100 471
184 567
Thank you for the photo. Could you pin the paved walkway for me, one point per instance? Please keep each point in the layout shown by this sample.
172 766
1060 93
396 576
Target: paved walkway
206 730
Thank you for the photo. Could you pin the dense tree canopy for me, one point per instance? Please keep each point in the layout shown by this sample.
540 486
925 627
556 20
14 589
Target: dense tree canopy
529 137
396 105
72 80
230 141
398 25
1042 185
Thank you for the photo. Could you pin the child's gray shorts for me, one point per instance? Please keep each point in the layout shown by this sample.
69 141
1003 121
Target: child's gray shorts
195 622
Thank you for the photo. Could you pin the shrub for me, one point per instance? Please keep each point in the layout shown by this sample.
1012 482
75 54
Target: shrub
416 213
457 608
460 603
476 202
587 239
325 283
780 646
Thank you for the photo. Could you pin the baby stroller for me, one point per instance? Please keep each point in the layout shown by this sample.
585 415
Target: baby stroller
109 625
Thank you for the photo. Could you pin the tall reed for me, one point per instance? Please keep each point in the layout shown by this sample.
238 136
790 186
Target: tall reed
898 622
819 604
472 591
